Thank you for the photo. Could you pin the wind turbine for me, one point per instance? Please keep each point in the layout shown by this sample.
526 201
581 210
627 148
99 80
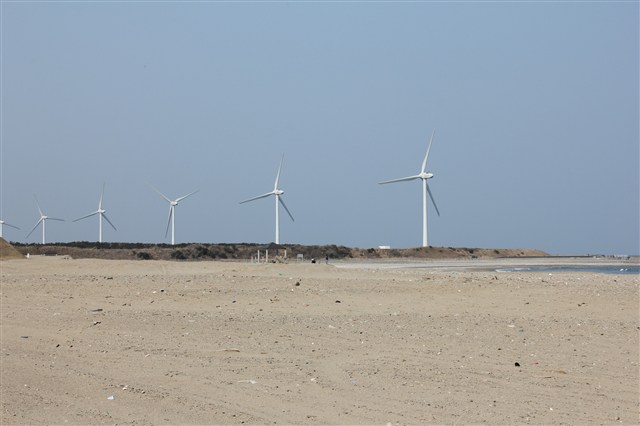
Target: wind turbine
43 220
172 213
3 223
101 214
278 193
424 175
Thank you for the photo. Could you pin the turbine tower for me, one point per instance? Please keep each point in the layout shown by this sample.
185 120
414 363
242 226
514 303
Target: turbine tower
172 213
278 193
101 214
43 220
424 175
3 223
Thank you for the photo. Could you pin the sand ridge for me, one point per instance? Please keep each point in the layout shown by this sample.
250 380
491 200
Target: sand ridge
7 251
233 343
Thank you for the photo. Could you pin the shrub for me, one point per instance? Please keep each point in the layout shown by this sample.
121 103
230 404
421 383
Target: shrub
201 251
178 255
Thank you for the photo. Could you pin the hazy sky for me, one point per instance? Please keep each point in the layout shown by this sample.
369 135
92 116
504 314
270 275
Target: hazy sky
535 106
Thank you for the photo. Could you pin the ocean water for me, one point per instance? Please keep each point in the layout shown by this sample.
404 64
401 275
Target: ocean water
600 269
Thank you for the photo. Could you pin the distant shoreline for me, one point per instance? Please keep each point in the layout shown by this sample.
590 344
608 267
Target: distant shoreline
528 264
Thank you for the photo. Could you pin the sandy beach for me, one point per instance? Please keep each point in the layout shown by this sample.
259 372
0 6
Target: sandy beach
156 342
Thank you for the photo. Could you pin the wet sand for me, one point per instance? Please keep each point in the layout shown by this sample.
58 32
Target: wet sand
233 343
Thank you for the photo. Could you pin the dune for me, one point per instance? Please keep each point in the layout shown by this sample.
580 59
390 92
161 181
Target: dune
7 251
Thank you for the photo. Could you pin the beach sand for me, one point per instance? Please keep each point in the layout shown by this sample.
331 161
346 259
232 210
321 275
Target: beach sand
154 342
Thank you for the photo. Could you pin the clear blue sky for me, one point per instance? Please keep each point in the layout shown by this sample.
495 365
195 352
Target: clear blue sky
535 106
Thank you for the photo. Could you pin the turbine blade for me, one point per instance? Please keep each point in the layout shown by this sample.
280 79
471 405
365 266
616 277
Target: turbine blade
275 186
101 195
426 157
168 221
34 228
433 200
285 207
107 219
8 224
400 180
161 194
258 197
38 204
84 217
182 198
55 218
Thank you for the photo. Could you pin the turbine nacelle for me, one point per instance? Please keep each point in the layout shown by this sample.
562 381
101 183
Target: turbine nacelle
278 192
424 176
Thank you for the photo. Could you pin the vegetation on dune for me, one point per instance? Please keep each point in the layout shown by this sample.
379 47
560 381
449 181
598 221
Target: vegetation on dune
245 251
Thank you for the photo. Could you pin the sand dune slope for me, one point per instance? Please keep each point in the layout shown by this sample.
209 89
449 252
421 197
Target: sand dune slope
7 251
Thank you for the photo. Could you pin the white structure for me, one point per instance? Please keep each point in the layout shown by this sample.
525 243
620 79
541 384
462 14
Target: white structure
424 175
172 213
101 214
43 220
278 193
3 223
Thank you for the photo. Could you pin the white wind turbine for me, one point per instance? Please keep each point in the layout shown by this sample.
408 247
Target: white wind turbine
3 223
101 214
278 193
424 175
172 213
43 220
